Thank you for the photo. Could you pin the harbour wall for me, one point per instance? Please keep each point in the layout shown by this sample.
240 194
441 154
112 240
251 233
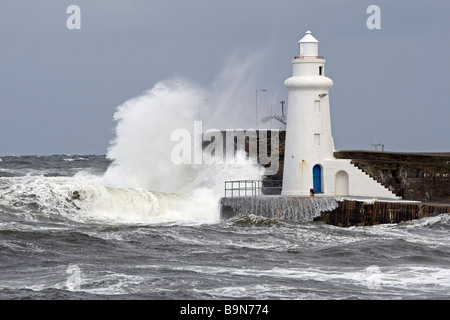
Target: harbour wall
411 176
422 180
342 212
369 213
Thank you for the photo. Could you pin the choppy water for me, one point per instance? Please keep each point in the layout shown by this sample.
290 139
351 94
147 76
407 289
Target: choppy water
65 235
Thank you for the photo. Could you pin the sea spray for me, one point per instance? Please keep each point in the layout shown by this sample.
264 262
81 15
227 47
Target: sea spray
231 96
141 151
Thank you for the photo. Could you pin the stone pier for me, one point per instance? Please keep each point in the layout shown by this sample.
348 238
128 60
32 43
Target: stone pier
343 212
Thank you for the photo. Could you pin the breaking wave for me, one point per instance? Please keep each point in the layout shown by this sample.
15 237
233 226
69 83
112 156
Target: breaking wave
143 184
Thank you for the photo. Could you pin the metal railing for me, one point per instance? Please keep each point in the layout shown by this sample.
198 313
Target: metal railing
246 188
240 188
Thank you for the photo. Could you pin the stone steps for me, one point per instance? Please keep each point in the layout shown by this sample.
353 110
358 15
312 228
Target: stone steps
373 178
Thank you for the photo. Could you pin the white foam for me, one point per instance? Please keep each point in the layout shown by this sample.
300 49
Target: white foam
373 200
416 276
262 291
402 277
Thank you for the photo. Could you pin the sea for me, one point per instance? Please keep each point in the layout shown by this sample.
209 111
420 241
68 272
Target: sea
65 234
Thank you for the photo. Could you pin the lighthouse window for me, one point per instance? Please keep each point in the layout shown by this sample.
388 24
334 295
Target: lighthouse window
317 139
320 71
317 105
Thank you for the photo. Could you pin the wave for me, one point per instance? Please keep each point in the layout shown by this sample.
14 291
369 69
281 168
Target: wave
143 184
143 175
38 198
252 220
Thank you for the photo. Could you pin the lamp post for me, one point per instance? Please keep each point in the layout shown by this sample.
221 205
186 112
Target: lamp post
205 100
256 115
271 115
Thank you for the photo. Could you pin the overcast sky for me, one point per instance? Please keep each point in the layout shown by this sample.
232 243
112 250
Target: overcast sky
59 88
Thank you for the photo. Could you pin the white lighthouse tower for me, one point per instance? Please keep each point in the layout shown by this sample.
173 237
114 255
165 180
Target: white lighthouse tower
308 161
308 137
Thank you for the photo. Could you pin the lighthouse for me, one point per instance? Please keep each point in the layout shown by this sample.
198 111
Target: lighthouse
308 160
308 138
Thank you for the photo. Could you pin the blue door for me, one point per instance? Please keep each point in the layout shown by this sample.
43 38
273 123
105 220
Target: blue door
317 178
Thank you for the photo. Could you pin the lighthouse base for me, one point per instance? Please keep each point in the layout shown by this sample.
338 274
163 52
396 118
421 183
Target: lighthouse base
341 178
338 177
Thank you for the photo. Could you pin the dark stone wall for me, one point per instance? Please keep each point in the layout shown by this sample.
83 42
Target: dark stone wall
358 213
413 176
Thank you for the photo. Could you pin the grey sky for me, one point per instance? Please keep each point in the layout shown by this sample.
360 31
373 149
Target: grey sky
59 88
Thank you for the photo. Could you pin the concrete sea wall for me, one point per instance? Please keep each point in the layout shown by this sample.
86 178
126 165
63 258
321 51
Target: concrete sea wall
342 212
299 209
